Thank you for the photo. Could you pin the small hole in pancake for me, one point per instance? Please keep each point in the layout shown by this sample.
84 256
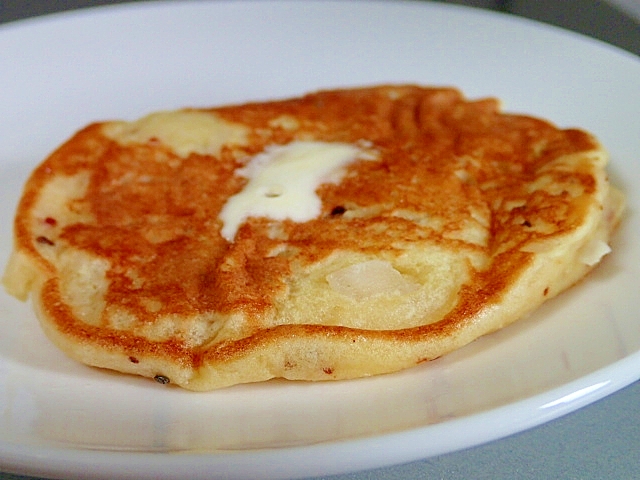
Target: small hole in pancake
274 191
44 240
339 210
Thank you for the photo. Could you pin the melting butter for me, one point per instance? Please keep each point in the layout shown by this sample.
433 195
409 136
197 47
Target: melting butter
184 131
282 182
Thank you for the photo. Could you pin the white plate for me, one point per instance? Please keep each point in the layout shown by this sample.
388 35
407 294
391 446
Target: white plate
61 72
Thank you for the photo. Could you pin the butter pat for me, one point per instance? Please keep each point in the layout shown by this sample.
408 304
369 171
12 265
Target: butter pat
282 182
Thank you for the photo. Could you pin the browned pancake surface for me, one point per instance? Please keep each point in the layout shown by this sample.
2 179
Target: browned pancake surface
154 214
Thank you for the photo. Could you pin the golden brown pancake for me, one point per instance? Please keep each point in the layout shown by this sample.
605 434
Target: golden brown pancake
342 234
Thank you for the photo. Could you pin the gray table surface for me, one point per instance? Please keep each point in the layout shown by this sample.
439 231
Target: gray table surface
597 442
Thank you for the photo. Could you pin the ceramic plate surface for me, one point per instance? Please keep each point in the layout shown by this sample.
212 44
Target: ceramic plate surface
61 72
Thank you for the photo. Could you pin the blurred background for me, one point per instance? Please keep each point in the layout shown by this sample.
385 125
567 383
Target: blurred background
614 21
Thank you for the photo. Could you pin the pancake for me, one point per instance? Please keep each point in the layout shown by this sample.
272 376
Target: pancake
342 234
